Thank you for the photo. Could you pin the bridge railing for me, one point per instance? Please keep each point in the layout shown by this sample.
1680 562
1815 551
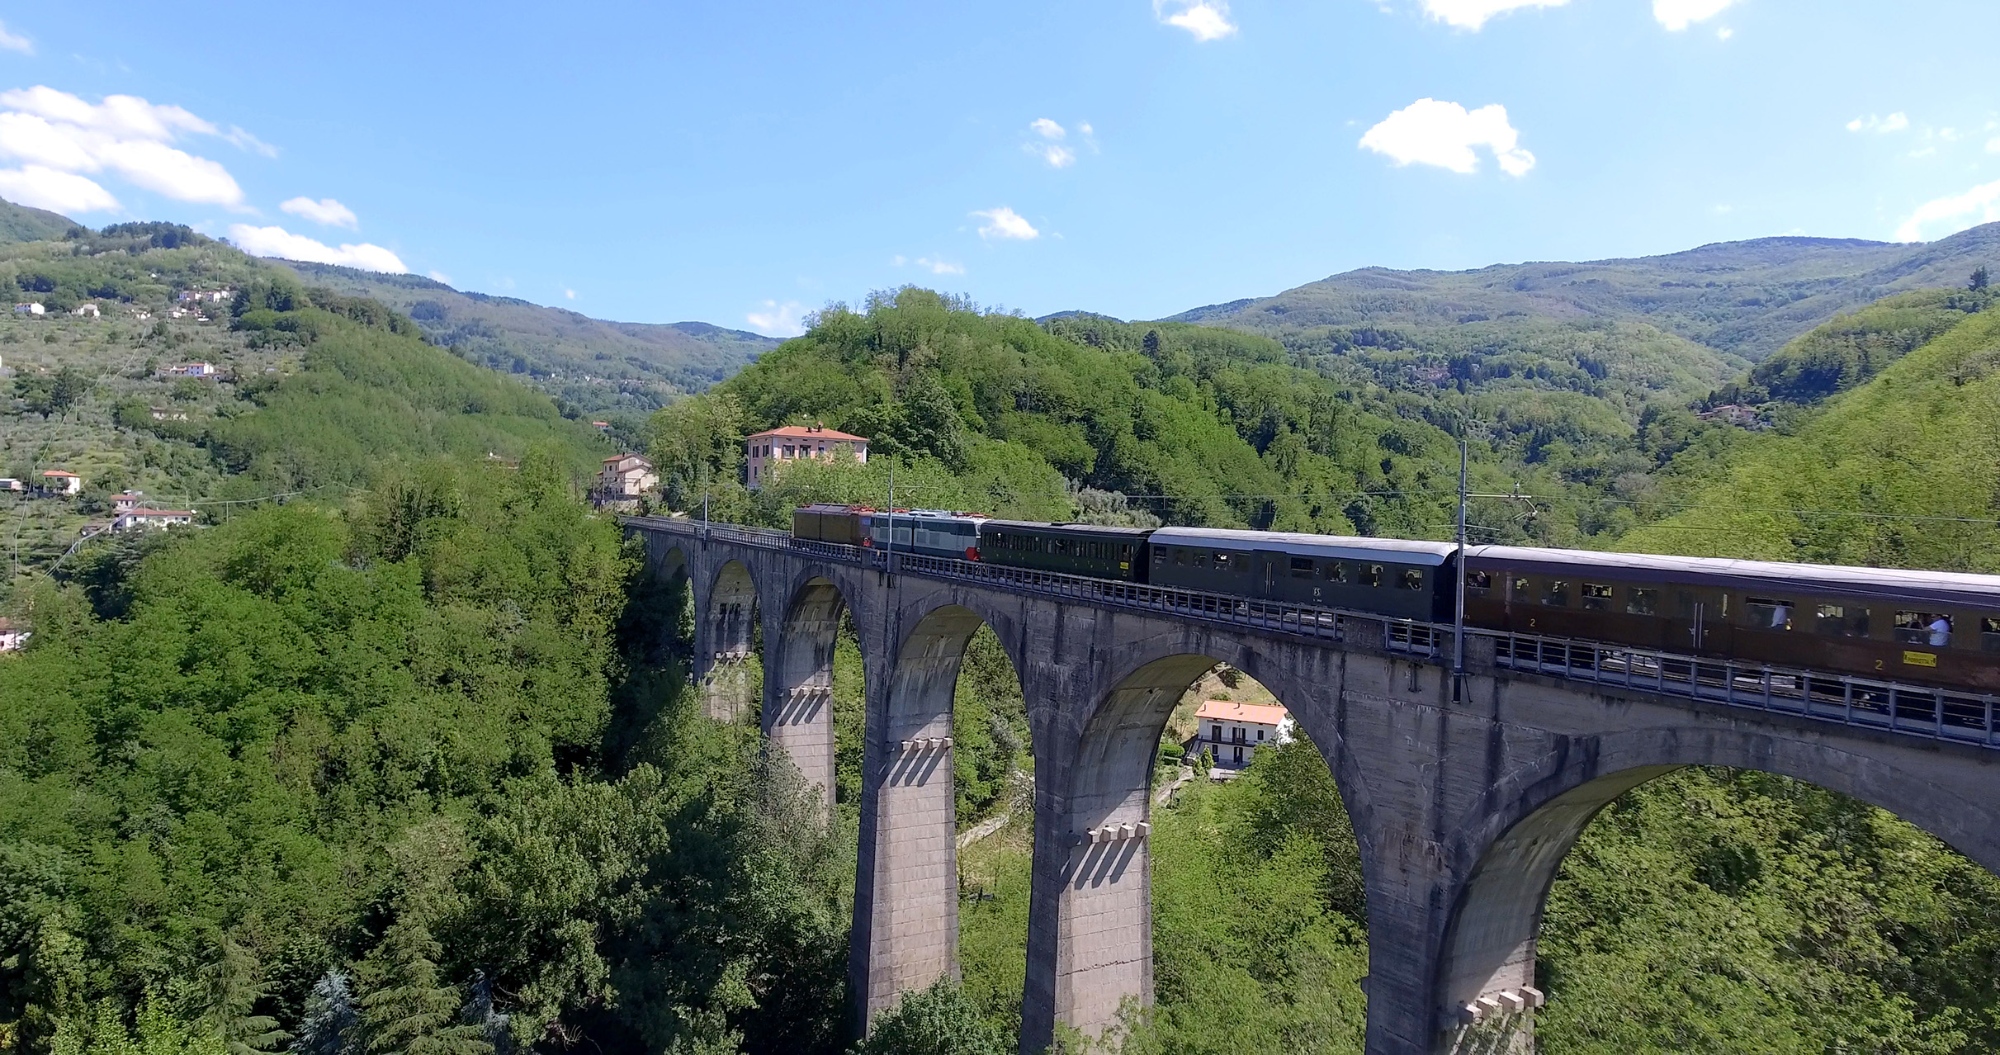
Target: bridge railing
1925 711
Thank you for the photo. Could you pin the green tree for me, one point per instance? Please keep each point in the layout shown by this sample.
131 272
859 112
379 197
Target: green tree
936 1021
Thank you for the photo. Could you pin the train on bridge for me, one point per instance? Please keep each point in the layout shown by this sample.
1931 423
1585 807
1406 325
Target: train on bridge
1933 628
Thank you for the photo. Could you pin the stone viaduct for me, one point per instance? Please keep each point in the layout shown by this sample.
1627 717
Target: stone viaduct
1464 799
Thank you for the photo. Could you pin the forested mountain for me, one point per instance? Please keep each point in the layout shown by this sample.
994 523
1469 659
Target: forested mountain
1896 470
1744 299
19 223
595 365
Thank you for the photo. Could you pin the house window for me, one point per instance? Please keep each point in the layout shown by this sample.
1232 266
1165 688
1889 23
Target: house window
1260 736
1557 595
1642 601
1766 613
1596 597
1215 733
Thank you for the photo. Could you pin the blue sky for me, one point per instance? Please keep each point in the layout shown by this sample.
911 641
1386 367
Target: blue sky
746 163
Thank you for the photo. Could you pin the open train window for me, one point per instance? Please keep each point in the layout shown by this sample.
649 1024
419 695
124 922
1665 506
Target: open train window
1520 590
1371 575
1180 557
1201 558
1222 562
1924 628
1596 597
1302 568
1336 572
1557 593
1411 579
1989 634
1768 613
1642 601
1839 620
1479 581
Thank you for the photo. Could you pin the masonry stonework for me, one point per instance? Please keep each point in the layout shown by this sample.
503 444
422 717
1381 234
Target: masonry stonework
1463 802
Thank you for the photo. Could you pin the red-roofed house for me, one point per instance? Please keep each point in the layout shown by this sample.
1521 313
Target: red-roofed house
58 482
624 480
764 450
1232 732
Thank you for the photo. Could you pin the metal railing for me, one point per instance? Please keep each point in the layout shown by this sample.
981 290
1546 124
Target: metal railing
1924 711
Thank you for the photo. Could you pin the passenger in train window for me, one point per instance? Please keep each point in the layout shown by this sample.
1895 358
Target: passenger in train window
1336 572
1831 619
1371 575
1180 557
1940 629
1596 597
1479 581
1557 594
1411 579
1642 601
1923 628
1520 590
1764 613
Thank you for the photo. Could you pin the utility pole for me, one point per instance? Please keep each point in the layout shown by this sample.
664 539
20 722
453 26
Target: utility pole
889 549
1458 617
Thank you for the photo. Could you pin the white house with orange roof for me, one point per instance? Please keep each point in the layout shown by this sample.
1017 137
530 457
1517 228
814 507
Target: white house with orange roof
1231 732
764 451
61 482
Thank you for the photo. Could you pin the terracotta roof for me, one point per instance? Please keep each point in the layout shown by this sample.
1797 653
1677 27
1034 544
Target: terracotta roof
1231 711
804 432
56 472
157 513
626 457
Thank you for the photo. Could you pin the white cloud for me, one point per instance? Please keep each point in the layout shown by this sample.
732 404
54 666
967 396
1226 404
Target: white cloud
1206 19
569 294
15 42
439 276
326 211
1085 128
1895 122
778 320
243 140
123 134
1046 128
1953 213
1429 132
276 241
1677 15
1724 33
45 188
1055 154
1473 14
940 267
1005 223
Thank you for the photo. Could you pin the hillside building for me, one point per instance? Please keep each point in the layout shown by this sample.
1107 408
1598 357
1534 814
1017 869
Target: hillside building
764 451
87 311
13 635
59 482
30 309
127 500
190 370
623 481
1232 732
137 519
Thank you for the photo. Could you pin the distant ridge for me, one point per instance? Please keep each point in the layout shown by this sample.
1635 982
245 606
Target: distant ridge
1075 314
19 223
595 364
1744 298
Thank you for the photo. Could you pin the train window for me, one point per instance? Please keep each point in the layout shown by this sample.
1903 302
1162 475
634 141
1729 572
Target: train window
1302 568
1557 593
1411 579
1201 558
1520 590
1180 557
1923 628
1371 575
1989 634
1222 562
1479 581
1767 613
1838 620
1596 597
1335 572
1641 601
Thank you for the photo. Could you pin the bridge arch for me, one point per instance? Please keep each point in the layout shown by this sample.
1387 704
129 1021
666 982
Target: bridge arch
906 904
1531 821
1093 890
798 674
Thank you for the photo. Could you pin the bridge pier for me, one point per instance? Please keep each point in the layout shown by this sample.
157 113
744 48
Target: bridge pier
1463 805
